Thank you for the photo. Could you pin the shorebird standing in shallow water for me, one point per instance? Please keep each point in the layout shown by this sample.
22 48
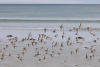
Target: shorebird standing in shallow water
62 36
55 44
71 52
61 44
54 31
9 37
9 54
88 28
68 41
6 46
2 56
45 30
46 51
77 50
80 26
19 57
59 53
76 29
44 57
61 27
86 56
52 55
90 57
94 41
24 49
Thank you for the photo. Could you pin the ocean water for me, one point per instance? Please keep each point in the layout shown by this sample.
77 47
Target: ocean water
27 15
33 13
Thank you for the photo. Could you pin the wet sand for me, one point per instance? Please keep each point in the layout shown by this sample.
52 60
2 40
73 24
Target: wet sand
53 46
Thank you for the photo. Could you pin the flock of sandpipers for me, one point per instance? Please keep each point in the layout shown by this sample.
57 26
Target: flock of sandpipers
45 45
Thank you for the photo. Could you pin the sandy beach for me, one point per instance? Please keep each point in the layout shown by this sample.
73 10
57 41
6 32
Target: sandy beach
50 45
